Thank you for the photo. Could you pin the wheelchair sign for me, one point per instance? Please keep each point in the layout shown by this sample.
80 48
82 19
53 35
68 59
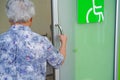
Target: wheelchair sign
90 11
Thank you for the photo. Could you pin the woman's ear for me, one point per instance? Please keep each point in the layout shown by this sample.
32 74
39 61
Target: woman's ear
30 22
30 19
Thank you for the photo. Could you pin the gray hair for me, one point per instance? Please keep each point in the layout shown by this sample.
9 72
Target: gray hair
20 10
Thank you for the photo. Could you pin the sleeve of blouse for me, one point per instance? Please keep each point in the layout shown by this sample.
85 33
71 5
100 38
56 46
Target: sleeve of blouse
54 57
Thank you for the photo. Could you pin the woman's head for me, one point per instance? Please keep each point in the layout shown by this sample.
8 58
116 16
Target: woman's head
20 11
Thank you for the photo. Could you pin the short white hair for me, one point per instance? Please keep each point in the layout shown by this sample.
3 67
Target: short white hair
20 10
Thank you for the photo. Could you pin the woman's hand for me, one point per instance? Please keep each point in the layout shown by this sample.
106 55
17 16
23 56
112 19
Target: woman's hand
63 39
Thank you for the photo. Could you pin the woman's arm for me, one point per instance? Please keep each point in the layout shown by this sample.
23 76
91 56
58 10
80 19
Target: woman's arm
63 39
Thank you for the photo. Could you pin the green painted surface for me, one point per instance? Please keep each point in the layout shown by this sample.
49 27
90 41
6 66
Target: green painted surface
119 58
95 44
90 11
119 46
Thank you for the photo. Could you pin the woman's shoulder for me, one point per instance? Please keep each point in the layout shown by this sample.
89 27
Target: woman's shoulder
5 37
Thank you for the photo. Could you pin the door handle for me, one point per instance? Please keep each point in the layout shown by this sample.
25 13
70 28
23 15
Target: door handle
60 29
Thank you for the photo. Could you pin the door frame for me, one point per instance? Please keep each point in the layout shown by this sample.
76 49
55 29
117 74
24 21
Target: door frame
116 42
55 31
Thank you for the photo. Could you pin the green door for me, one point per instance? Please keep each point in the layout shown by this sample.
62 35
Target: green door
90 51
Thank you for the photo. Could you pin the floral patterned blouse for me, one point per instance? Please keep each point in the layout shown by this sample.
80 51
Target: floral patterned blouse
24 54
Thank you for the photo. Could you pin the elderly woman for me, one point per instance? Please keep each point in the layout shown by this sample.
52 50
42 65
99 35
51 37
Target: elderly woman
24 53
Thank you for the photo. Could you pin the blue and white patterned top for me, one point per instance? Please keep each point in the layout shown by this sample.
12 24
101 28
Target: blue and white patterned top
24 54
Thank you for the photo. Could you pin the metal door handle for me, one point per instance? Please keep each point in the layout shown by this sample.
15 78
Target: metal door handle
60 29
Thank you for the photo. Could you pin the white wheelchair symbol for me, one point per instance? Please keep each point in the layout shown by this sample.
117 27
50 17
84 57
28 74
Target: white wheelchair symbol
94 8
